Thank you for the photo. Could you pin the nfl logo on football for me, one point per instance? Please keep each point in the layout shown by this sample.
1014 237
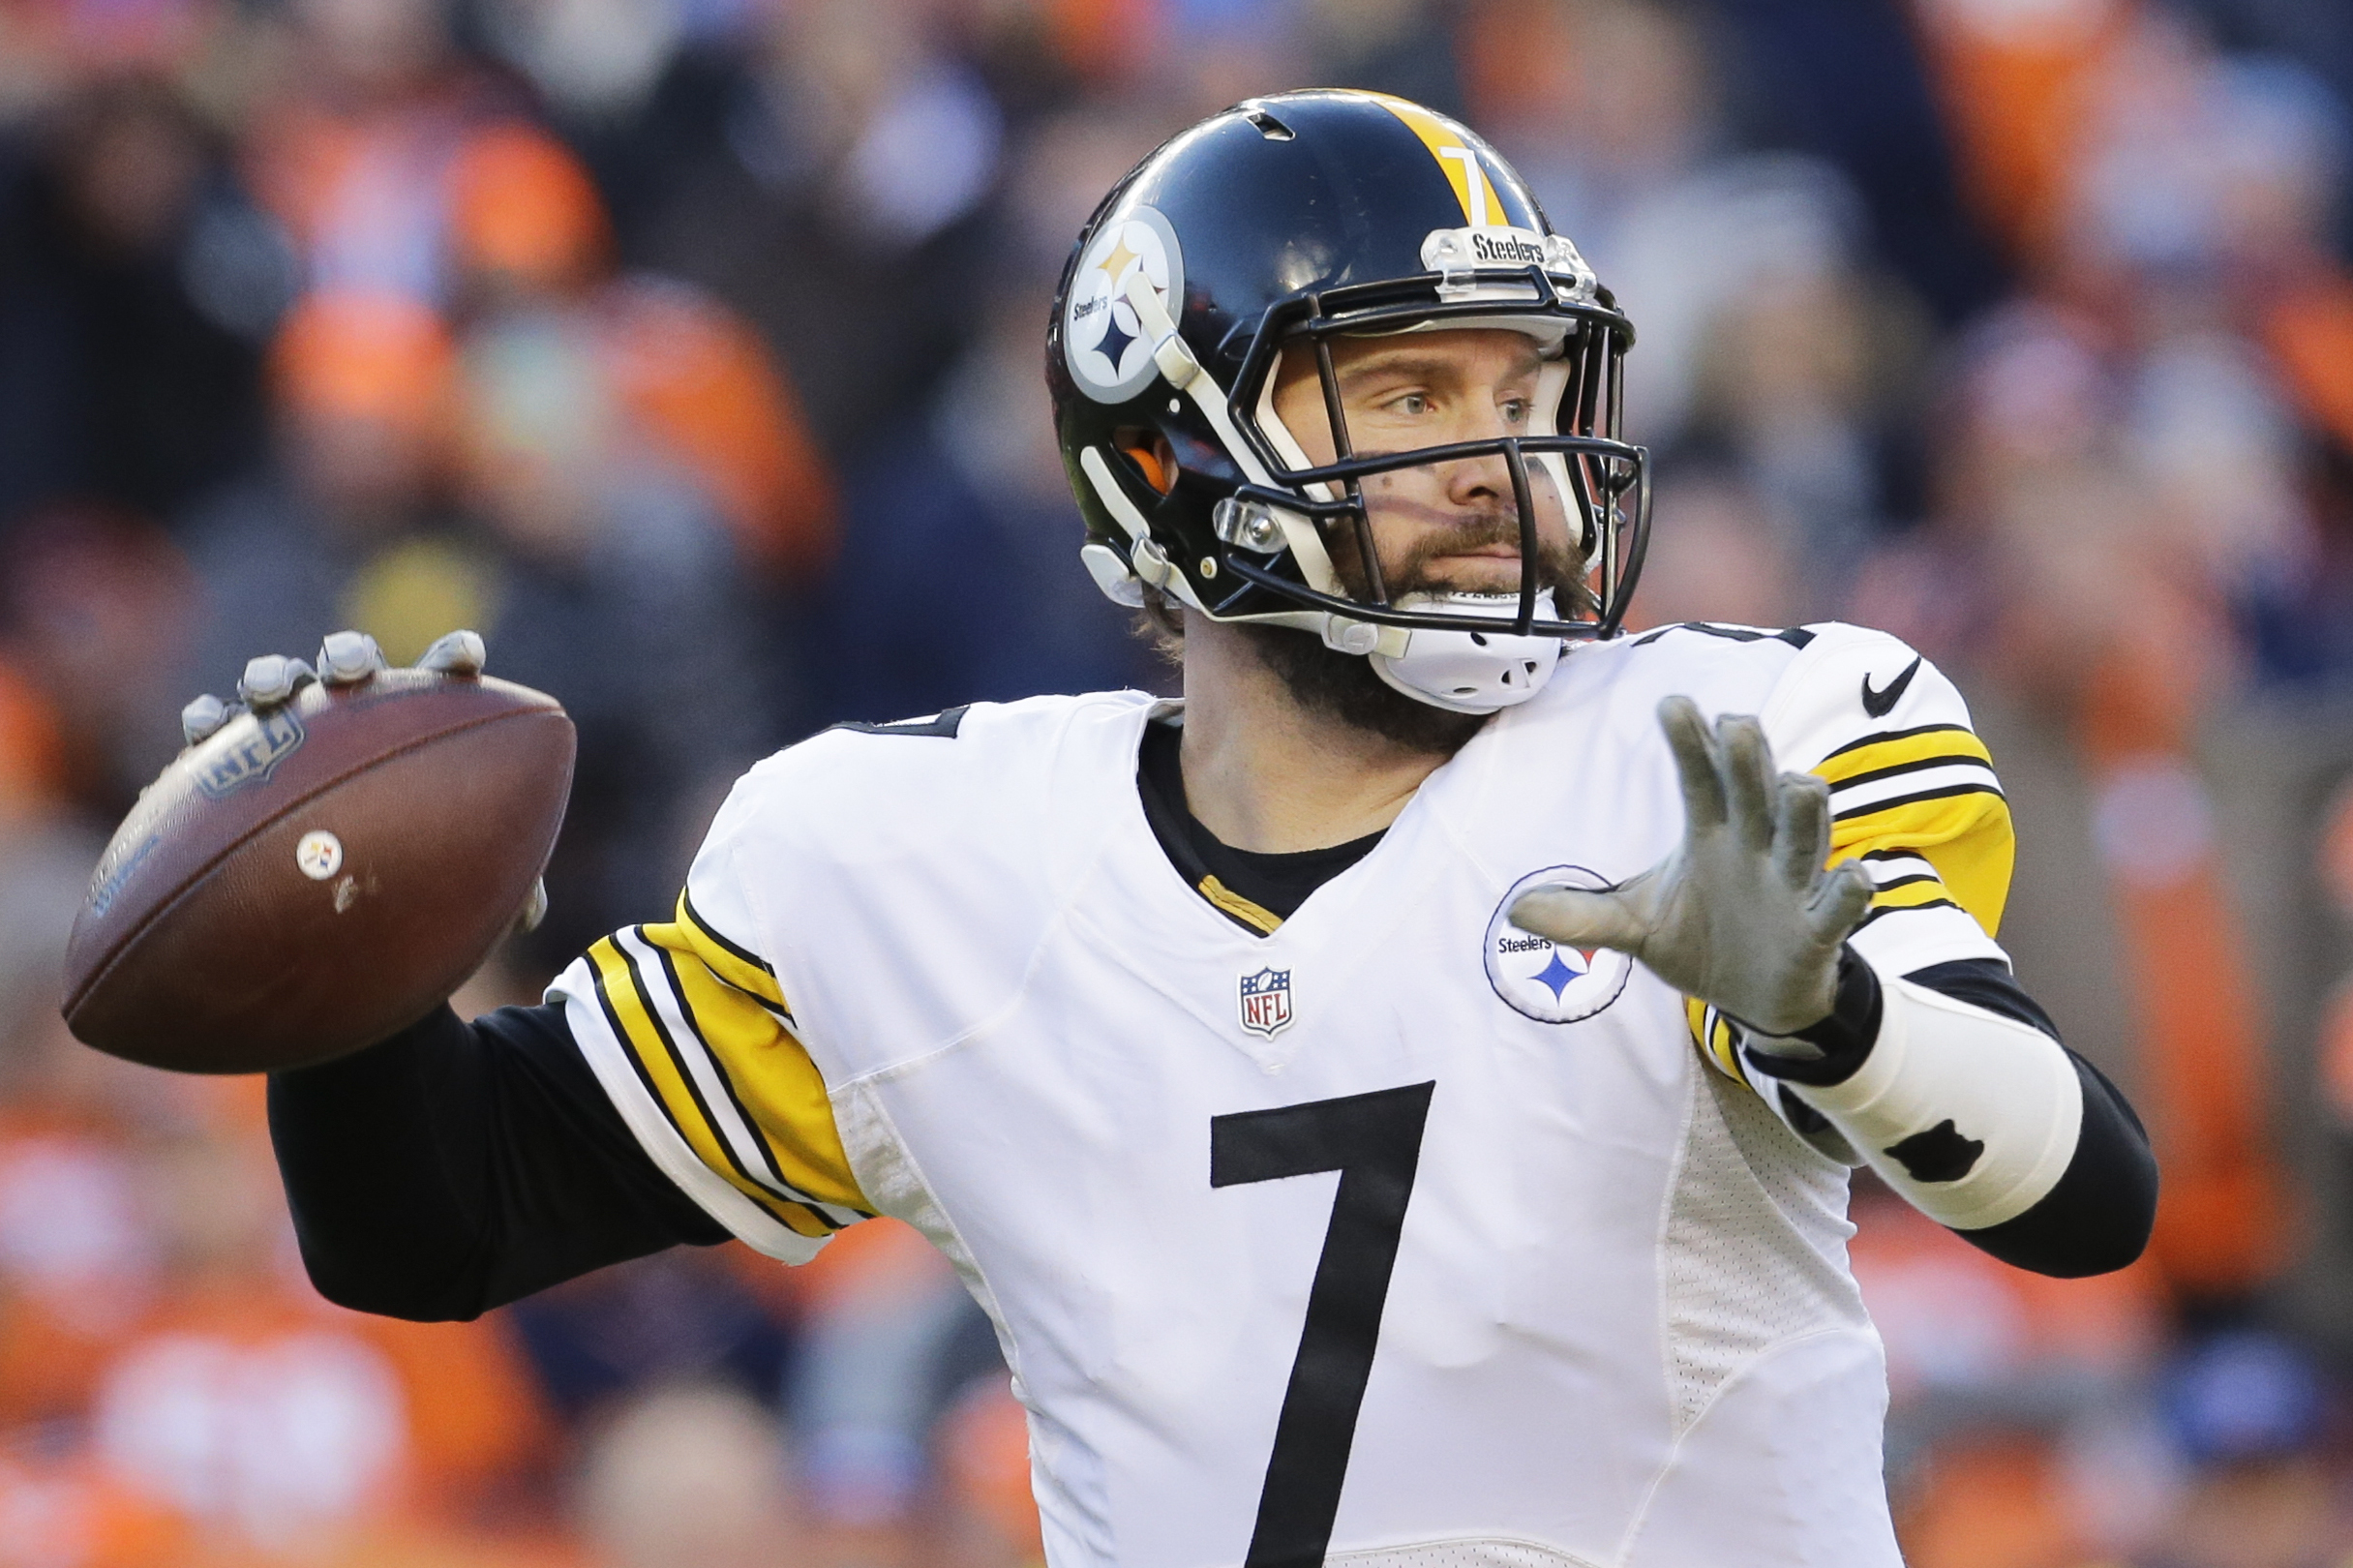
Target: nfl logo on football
1266 1002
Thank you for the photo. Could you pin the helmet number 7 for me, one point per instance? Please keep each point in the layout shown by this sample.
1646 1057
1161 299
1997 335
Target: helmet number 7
1375 1141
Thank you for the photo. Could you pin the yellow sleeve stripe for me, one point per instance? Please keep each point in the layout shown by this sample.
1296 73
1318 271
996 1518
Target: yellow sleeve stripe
784 1103
1714 1037
1964 833
738 966
1958 829
1951 843
621 992
1256 917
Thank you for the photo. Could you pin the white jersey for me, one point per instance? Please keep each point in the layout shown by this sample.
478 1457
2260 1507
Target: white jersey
1392 1236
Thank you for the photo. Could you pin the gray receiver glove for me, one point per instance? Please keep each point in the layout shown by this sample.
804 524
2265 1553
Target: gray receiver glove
346 658
1742 915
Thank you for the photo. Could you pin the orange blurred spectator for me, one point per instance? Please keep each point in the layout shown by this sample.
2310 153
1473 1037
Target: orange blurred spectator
1104 40
364 384
32 750
706 389
219 1389
64 1511
2225 1220
528 233
2309 333
523 216
2016 82
356 158
370 355
96 614
1989 1367
983 1443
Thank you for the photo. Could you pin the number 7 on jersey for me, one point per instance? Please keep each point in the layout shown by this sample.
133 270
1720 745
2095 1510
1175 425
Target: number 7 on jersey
1375 1141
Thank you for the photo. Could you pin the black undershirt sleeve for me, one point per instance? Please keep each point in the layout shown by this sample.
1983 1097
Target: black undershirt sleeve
2097 1218
456 1167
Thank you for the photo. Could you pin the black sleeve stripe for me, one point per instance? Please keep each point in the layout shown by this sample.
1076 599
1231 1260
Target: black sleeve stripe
1882 737
1986 982
1956 758
1948 793
1885 910
1912 881
1893 854
774 1180
678 1060
731 949
621 1037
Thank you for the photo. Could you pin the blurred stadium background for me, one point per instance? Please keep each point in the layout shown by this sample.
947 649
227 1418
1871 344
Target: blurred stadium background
689 349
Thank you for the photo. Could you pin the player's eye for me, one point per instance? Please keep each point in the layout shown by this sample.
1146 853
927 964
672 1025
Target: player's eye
1412 405
1515 411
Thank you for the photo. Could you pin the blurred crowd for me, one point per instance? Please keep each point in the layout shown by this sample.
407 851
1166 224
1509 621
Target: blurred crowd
689 349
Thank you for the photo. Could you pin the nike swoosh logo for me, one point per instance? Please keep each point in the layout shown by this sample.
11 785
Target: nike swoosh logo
1880 703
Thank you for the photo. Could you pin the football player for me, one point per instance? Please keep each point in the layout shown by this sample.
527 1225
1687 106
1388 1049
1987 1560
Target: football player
1397 1104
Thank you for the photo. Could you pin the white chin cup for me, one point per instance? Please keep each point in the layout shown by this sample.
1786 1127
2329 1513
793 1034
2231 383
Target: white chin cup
1472 672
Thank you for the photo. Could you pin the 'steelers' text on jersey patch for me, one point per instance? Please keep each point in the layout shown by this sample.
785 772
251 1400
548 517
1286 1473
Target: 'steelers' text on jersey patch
1543 980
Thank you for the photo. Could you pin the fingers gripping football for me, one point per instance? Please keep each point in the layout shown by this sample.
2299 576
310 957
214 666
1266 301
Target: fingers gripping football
1742 915
346 658
270 679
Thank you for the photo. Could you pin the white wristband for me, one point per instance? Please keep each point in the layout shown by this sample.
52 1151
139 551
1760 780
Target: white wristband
1972 1117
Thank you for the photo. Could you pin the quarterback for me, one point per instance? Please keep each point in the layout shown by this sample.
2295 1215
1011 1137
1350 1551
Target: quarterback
1396 1104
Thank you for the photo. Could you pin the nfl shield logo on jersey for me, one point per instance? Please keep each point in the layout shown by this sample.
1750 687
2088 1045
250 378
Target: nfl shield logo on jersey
1542 980
1266 1002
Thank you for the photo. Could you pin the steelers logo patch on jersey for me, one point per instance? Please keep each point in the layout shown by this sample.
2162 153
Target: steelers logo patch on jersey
1543 980
1104 343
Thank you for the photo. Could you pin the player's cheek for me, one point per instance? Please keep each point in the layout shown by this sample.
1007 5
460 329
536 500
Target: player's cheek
1551 507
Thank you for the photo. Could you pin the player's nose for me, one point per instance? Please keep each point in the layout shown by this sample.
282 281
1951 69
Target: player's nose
1477 482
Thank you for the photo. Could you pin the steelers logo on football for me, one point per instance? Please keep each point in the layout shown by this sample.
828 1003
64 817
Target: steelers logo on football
1544 980
1104 344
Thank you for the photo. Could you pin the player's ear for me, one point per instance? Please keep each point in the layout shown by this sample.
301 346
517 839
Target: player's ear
1149 450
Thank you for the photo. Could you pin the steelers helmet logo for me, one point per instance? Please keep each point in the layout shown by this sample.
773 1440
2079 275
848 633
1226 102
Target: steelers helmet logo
1107 348
1543 980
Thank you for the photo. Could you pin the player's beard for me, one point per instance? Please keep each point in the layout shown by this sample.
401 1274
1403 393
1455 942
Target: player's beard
1344 687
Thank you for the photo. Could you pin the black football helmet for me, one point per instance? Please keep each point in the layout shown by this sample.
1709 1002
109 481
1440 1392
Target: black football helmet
1293 219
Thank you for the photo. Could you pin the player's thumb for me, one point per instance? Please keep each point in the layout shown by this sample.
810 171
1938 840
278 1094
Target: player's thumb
1581 919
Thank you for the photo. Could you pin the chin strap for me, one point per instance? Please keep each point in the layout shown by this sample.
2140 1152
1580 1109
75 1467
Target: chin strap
1468 671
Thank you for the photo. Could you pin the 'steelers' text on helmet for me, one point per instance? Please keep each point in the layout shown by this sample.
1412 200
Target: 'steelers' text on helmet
1294 220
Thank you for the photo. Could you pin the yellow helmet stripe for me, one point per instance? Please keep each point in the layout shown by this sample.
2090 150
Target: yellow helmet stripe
1482 207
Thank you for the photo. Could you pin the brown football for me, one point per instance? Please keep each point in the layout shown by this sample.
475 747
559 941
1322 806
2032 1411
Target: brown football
311 880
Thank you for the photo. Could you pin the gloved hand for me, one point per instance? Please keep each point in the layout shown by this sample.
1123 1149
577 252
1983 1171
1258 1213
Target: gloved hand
1742 915
346 658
